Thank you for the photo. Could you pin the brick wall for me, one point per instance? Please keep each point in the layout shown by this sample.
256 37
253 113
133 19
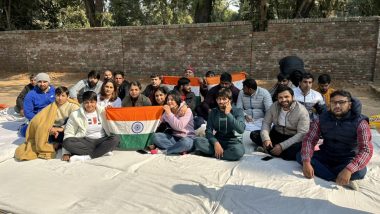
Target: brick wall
376 73
222 46
344 48
348 49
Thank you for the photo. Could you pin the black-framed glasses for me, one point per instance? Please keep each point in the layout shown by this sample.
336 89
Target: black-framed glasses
340 102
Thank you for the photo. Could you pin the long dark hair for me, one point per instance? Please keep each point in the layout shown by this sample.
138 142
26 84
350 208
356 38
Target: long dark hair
161 89
103 92
176 97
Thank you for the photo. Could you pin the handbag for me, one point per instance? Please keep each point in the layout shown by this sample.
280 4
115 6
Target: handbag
164 127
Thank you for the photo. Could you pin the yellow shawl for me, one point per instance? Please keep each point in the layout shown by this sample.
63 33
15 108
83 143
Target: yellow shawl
36 140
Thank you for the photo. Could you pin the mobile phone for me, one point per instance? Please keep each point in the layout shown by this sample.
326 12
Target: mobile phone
267 158
141 151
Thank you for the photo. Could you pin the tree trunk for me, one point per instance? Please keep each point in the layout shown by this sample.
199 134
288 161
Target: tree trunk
164 12
94 10
203 10
303 8
263 11
7 9
258 12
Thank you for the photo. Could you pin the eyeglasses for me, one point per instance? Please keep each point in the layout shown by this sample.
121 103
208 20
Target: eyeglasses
340 102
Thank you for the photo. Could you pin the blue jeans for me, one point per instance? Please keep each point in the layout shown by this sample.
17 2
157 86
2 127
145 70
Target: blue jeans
173 145
22 129
324 169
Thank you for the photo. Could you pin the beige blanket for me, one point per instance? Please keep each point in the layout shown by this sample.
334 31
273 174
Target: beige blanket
36 144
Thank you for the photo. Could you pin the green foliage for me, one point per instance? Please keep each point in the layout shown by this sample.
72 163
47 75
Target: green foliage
28 15
363 7
150 12
73 17
50 14
126 12
222 12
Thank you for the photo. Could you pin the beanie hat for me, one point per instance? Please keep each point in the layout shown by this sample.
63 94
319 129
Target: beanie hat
191 69
42 77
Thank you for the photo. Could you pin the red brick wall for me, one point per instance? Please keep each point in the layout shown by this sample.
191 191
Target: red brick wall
344 48
376 73
222 46
348 49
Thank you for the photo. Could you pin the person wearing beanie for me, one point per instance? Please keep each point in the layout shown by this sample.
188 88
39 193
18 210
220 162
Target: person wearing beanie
189 72
43 77
41 96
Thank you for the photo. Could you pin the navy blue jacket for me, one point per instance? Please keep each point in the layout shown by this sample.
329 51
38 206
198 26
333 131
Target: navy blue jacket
340 135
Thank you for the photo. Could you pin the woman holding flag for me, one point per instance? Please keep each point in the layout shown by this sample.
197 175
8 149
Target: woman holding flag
180 140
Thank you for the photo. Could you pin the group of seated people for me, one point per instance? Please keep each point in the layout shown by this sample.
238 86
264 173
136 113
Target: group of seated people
322 129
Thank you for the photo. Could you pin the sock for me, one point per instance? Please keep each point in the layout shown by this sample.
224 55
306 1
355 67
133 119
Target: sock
79 158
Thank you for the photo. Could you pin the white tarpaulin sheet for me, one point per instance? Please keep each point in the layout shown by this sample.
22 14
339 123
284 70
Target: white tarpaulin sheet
129 182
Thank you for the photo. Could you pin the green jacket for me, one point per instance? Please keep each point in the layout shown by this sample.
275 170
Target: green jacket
228 128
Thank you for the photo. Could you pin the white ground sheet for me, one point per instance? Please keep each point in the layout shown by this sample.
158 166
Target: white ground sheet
129 182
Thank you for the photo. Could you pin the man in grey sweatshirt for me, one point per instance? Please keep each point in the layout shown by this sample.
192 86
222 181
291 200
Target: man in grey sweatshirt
290 121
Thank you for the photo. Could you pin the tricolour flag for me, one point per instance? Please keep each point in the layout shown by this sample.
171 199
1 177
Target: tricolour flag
171 81
237 80
134 125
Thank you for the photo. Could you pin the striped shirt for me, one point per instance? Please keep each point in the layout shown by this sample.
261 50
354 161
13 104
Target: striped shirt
364 139
313 102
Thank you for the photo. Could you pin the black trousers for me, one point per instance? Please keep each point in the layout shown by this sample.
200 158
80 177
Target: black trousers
276 138
93 147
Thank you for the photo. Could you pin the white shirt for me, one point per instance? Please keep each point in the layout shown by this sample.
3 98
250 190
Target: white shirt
309 100
94 126
106 102
282 117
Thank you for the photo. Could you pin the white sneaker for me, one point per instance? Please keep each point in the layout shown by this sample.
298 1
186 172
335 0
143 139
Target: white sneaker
354 185
157 151
108 154
79 158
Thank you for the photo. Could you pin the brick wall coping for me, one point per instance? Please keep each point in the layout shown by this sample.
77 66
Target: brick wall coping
201 25
324 20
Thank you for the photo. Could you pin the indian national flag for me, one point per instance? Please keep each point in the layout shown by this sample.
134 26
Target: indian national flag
134 125
237 80
171 81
